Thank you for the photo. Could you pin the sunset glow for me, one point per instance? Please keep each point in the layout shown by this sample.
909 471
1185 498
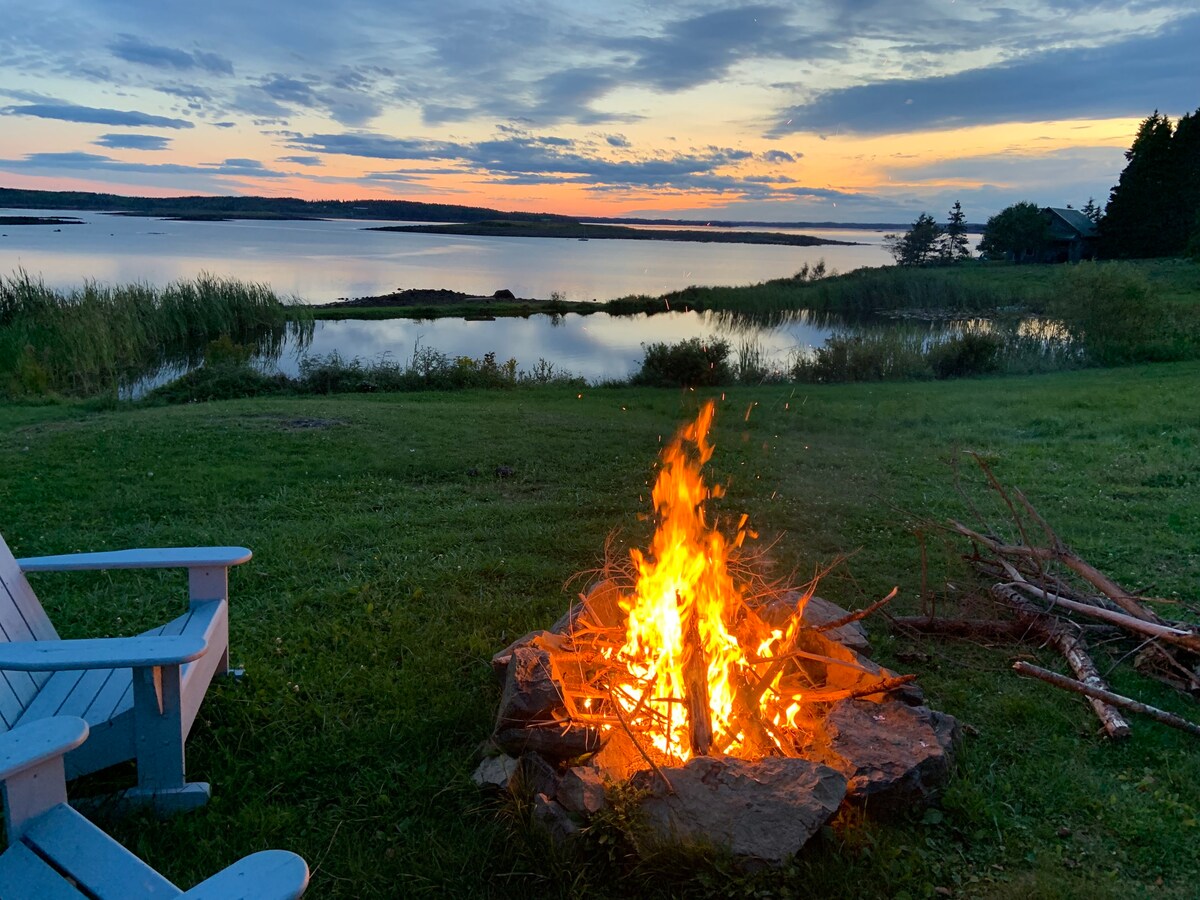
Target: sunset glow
746 111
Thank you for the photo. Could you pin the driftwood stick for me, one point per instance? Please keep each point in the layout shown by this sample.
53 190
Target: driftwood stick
1178 636
1068 558
878 687
1070 684
804 654
860 614
1066 639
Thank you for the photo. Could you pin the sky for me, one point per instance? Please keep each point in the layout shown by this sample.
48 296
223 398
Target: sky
812 110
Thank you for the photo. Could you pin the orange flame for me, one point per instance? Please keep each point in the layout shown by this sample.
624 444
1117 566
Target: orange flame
688 615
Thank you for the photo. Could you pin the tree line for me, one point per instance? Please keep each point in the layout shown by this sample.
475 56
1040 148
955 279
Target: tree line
1153 210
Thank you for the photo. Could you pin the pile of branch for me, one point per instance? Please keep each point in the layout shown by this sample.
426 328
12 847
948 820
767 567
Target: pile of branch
1057 599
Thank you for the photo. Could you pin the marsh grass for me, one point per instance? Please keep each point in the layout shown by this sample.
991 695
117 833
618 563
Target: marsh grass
227 375
98 338
390 564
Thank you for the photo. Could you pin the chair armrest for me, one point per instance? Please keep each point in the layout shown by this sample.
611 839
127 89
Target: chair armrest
150 558
101 653
266 875
30 745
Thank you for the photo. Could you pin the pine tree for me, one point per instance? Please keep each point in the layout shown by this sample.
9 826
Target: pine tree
1181 205
1093 211
918 245
1133 222
955 245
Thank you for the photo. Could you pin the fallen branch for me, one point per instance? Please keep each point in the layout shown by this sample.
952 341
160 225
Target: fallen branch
1066 639
1180 637
860 614
877 687
1070 684
1068 558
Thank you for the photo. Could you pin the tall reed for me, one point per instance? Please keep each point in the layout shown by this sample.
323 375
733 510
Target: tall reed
95 338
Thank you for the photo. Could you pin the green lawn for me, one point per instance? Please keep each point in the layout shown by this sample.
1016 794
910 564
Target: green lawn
385 576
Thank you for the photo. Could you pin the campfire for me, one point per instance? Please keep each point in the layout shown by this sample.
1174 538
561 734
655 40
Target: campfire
747 713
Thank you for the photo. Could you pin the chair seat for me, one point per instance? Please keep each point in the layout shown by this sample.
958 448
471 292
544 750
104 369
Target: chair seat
104 697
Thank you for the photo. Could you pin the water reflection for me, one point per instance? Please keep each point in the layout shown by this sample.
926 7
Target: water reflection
597 346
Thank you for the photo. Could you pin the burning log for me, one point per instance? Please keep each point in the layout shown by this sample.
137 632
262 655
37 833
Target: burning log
695 688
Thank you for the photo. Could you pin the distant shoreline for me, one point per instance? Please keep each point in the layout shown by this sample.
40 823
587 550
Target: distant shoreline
584 232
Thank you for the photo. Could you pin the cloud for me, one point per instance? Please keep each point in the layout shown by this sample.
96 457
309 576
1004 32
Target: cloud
521 158
1127 78
135 50
133 141
78 161
302 160
67 112
703 48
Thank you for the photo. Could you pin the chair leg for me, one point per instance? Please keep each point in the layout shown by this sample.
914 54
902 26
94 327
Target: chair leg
159 737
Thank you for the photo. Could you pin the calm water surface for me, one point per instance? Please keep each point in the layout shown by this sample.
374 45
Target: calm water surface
319 261
324 260
596 346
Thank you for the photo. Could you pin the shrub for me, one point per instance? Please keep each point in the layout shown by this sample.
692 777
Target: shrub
968 353
688 363
1112 310
883 355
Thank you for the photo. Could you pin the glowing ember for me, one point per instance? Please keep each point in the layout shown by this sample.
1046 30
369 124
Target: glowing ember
702 679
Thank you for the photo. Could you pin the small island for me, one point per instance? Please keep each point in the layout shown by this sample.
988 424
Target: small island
39 220
585 231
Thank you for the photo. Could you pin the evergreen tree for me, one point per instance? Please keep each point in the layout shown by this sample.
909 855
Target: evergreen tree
1019 233
955 245
917 246
1181 205
1092 210
1133 221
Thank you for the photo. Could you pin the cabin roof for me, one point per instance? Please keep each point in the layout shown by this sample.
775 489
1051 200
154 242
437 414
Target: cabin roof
1069 223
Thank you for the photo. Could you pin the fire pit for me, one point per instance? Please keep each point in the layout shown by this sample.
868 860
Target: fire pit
747 715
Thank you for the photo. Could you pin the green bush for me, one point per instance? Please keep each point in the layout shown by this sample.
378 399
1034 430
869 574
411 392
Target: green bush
968 353
1118 318
688 363
884 355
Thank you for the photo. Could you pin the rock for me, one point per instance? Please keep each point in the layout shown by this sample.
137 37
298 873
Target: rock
505 471
495 772
895 757
504 294
531 692
557 743
766 810
582 790
535 776
598 608
554 818
501 660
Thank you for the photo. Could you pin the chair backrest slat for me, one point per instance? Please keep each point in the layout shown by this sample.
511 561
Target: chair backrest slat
21 619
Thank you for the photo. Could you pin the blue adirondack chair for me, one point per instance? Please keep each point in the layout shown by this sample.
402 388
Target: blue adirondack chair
54 853
139 695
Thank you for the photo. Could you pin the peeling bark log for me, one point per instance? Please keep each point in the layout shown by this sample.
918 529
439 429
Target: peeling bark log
1070 684
1066 639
